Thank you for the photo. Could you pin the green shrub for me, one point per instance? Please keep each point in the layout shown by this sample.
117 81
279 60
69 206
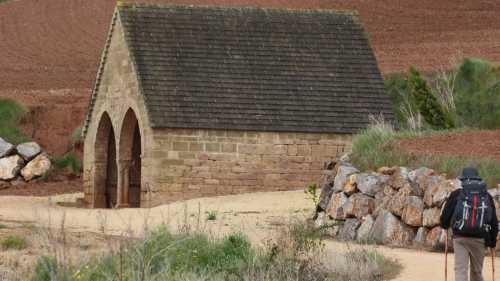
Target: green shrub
69 160
10 114
403 105
12 242
46 269
427 104
212 215
477 94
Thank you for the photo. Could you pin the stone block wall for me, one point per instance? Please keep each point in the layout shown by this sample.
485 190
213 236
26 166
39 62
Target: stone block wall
189 163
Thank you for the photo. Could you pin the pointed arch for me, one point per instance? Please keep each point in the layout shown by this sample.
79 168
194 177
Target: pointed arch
130 151
106 172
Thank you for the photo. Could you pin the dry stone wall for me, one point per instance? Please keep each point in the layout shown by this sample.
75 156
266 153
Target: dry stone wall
395 205
22 163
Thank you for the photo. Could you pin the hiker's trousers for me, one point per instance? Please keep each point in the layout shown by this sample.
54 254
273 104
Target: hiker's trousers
469 250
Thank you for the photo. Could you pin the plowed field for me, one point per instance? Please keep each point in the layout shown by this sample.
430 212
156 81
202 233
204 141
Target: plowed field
48 45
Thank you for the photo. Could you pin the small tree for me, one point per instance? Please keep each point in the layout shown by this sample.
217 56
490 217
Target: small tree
427 104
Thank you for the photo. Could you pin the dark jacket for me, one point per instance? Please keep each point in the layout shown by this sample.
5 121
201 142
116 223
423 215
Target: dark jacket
447 214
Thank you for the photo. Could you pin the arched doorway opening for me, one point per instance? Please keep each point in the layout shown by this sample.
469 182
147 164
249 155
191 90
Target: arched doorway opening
106 172
130 161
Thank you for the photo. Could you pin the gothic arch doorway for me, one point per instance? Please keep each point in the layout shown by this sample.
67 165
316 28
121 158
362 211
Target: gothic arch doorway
130 161
106 172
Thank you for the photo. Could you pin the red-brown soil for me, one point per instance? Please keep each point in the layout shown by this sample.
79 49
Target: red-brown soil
44 188
54 44
474 144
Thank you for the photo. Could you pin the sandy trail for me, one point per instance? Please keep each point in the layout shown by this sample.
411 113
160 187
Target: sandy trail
255 214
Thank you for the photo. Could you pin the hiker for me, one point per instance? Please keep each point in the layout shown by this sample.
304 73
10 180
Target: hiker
471 214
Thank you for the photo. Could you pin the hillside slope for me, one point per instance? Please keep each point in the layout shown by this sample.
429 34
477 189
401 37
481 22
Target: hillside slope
53 44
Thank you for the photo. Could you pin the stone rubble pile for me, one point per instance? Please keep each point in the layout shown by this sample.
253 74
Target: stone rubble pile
394 206
22 163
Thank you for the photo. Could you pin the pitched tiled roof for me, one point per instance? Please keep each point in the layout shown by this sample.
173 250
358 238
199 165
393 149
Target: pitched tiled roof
254 69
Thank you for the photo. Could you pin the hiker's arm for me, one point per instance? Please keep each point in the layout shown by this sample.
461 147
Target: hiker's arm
492 243
448 209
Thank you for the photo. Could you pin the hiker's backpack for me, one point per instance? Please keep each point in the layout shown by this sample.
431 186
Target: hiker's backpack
473 211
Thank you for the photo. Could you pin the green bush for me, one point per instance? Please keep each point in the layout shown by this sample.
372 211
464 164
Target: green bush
427 104
10 114
12 242
468 96
477 94
212 215
46 269
69 160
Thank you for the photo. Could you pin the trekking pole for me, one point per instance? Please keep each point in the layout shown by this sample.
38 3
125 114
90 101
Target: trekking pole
446 255
493 250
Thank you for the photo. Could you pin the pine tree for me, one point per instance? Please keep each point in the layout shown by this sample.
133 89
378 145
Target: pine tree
426 102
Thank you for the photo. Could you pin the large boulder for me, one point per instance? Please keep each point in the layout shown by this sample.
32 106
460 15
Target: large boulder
421 236
364 229
326 184
349 229
370 184
381 204
5 148
431 185
389 230
28 150
337 205
416 176
438 190
412 214
10 167
431 217
350 185
343 173
399 179
398 201
359 205
37 167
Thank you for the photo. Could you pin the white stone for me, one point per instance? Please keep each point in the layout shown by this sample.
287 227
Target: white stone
5 148
28 150
10 166
37 167
365 228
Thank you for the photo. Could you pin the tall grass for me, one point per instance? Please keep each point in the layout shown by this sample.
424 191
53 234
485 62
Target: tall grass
296 253
10 114
378 146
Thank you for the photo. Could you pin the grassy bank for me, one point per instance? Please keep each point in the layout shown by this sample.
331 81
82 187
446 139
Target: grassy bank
296 253
378 146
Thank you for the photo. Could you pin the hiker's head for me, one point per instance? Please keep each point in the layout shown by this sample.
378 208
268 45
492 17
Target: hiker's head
470 173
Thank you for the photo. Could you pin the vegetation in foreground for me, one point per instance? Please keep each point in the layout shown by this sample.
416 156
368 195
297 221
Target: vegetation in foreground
378 146
13 242
297 253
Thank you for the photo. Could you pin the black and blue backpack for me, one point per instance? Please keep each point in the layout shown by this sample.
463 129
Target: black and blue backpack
473 210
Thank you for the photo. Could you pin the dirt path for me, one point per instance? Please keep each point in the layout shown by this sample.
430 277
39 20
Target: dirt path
255 214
